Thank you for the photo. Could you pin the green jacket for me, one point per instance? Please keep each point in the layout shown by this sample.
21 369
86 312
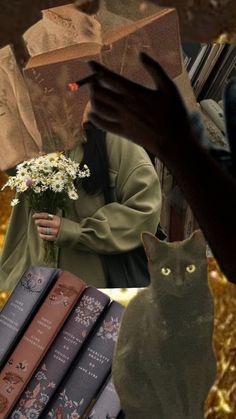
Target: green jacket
90 227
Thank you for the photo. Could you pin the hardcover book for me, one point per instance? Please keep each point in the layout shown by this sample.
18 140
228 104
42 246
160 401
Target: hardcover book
91 370
22 305
157 35
37 339
107 405
62 353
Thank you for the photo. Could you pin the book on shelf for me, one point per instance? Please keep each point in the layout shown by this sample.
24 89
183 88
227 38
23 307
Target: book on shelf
37 339
209 67
195 54
62 353
221 72
107 404
22 305
209 61
58 110
91 369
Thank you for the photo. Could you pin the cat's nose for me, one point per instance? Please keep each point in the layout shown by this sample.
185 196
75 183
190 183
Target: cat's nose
179 282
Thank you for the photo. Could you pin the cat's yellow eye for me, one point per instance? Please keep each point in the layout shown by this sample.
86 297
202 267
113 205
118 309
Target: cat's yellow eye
166 271
191 268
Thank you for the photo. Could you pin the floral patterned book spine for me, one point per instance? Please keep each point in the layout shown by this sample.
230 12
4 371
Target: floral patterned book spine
61 354
107 405
91 369
37 339
22 305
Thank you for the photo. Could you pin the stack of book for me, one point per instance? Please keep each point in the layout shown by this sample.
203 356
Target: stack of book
209 66
57 339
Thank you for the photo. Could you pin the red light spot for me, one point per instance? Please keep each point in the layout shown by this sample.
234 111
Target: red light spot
73 86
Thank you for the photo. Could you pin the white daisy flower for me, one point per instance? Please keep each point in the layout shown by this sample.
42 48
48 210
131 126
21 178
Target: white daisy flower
57 186
73 194
14 202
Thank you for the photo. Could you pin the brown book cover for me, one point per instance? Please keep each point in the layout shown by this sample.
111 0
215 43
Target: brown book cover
22 305
157 35
37 339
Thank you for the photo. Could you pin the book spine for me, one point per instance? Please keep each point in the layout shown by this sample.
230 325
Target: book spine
22 305
62 353
107 404
91 369
37 339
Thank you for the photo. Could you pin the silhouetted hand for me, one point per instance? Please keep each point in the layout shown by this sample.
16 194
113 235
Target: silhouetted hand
156 119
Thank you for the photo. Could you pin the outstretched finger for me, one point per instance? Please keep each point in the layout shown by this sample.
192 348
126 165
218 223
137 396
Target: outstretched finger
114 81
105 124
104 110
160 77
103 94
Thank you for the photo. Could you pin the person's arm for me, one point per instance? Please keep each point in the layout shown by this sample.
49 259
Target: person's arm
158 120
117 227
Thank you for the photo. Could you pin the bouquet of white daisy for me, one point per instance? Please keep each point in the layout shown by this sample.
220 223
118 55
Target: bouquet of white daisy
48 182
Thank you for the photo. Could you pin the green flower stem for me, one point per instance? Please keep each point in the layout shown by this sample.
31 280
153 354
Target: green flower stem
49 254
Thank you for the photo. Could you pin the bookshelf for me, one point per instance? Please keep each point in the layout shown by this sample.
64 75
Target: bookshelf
209 66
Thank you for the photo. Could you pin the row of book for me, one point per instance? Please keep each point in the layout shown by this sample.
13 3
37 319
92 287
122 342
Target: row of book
209 66
57 338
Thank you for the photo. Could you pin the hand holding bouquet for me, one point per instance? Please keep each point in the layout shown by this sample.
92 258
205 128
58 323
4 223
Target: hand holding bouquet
48 182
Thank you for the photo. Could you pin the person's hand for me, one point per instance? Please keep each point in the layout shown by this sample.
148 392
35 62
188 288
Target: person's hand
156 119
48 226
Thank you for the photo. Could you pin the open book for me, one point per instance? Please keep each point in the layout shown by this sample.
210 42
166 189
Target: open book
59 112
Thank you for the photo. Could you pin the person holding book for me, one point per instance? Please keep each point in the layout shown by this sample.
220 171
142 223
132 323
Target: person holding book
158 120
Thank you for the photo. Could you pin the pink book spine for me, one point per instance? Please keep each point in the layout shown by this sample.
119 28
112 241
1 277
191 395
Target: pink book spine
37 339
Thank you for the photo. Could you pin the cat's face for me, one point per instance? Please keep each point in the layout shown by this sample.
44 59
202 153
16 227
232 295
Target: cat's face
176 268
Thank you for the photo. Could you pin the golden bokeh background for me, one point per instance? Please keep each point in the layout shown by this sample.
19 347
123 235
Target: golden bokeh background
221 402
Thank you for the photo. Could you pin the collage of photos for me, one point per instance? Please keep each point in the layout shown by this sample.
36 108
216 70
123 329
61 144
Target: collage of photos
117 209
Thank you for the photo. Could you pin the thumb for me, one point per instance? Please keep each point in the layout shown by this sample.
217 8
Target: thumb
161 79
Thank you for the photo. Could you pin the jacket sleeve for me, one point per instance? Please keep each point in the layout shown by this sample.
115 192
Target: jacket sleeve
117 227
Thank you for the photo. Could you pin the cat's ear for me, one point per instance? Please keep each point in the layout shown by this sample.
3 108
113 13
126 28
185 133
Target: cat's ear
198 242
150 243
